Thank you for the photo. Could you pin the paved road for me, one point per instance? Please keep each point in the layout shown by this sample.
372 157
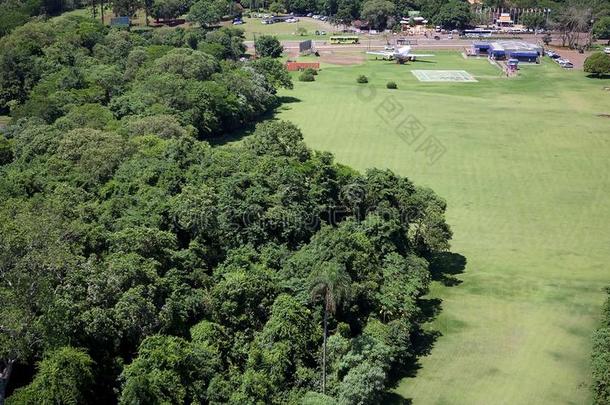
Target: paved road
380 42
375 43
322 45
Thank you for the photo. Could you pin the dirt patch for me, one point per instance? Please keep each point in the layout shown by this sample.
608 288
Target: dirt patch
604 115
342 58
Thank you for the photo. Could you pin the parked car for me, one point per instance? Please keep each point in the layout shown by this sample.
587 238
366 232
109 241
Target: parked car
607 50
309 15
567 65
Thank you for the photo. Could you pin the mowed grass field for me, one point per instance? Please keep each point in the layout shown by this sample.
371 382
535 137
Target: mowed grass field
525 174
285 31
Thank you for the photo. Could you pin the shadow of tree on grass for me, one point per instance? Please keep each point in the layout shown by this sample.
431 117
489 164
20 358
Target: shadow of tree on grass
444 267
246 130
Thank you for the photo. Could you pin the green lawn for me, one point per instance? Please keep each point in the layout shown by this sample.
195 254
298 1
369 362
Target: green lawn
525 175
285 31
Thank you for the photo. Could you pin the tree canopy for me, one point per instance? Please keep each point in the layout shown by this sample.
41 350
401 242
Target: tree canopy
601 28
268 46
206 12
454 14
378 12
141 264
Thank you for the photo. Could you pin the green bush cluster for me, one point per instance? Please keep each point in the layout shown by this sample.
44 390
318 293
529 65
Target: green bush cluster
600 364
598 64
307 76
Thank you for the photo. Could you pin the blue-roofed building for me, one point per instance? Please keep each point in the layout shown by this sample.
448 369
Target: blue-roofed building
522 51
481 48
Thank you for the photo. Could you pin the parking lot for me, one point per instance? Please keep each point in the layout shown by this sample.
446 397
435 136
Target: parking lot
577 59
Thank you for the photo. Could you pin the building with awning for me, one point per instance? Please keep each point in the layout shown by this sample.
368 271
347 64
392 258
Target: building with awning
504 20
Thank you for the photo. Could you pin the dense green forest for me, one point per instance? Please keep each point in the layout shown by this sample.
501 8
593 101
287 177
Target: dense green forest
139 264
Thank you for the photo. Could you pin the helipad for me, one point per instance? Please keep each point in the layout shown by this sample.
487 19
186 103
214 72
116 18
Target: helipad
443 76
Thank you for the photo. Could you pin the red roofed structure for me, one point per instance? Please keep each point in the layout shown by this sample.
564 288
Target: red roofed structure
295 66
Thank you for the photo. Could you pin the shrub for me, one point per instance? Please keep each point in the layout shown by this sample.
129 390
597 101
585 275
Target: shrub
306 77
598 64
600 359
391 85
362 79
312 71
600 364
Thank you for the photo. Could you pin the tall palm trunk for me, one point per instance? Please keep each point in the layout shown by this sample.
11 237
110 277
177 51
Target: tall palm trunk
324 350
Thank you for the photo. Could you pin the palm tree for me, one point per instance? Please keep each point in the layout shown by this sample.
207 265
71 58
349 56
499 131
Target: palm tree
330 283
